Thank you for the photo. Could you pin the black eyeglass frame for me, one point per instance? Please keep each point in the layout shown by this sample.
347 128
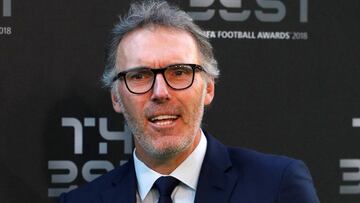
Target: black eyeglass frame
194 67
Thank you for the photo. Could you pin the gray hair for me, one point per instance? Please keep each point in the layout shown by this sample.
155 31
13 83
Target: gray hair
156 12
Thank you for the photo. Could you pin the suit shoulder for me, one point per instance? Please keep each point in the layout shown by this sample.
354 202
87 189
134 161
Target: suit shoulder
280 178
253 160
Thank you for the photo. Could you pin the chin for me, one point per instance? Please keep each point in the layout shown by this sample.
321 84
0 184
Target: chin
167 148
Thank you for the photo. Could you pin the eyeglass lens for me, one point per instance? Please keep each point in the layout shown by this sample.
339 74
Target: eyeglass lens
176 76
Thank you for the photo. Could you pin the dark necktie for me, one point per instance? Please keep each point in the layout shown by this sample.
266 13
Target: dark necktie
165 186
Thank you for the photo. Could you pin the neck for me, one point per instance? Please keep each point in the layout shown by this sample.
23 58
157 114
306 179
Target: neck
166 165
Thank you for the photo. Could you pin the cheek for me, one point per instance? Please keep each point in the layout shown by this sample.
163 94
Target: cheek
133 104
193 98
198 89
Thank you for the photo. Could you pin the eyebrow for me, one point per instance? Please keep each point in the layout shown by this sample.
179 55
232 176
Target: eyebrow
135 69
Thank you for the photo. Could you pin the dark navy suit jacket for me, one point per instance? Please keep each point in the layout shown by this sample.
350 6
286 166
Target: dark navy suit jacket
227 175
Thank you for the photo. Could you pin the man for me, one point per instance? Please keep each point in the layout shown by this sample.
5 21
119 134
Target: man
161 72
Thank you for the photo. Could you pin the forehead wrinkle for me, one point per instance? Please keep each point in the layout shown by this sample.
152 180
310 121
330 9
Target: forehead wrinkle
163 54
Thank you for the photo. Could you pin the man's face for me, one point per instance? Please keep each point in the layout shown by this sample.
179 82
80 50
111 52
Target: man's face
164 121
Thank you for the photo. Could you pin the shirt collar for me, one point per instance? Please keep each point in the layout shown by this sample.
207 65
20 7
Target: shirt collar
187 172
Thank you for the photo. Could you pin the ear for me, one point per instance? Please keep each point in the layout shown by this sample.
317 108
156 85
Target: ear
115 102
210 91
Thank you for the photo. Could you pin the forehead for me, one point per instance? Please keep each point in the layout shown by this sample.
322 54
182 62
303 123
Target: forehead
156 46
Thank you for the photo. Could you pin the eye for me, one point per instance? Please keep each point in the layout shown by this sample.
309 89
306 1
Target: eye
139 75
179 71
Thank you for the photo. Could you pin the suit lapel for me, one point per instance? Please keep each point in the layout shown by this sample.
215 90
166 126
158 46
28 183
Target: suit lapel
217 179
124 186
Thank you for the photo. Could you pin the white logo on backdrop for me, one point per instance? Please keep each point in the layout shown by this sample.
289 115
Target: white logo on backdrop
70 169
6 12
6 4
268 11
351 178
234 12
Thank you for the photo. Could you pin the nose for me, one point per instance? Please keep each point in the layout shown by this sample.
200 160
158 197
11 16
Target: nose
160 91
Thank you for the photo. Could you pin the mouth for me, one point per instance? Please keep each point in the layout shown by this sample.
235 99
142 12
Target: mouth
163 120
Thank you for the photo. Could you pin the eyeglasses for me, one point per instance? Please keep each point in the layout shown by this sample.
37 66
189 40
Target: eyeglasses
141 80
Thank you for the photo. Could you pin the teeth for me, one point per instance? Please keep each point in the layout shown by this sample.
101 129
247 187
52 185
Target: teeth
163 123
163 117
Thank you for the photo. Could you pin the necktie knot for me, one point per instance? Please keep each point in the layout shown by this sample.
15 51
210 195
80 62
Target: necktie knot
165 186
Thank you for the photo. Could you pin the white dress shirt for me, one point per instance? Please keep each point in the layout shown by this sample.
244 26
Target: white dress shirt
187 173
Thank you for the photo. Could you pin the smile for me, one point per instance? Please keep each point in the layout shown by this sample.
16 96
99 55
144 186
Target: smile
163 120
